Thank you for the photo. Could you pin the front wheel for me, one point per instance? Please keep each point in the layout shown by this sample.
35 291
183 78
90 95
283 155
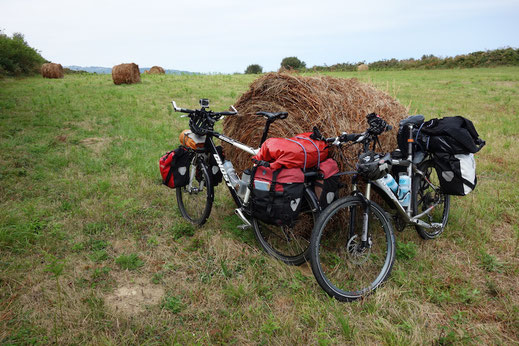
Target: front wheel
426 193
289 244
346 266
195 200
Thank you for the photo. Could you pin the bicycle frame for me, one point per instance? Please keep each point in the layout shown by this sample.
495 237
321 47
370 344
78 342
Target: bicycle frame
406 213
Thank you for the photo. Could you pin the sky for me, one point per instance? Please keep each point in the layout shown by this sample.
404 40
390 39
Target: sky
225 36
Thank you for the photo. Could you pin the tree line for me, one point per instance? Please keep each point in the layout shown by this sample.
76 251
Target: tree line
490 58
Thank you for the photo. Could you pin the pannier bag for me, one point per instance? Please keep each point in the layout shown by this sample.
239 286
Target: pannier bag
299 151
277 195
191 140
456 172
174 167
326 189
214 170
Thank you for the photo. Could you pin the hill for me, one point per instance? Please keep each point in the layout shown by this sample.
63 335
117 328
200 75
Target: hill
108 70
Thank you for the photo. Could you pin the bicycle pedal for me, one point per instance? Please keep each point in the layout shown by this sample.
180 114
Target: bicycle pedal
243 227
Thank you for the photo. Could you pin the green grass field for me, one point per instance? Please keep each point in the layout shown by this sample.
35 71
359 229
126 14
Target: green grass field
93 248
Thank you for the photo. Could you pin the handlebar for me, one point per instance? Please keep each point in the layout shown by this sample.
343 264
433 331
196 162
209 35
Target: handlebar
377 126
212 116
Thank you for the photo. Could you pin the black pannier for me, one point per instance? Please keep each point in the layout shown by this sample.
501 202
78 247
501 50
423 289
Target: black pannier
214 170
326 189
174 167
277 196
456 172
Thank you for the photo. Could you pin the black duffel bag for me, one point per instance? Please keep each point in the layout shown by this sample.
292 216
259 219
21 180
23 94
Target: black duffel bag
454 135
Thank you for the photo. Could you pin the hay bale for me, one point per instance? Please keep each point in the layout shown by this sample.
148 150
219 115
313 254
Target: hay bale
126 73
334 105
52 70
362 67
156 70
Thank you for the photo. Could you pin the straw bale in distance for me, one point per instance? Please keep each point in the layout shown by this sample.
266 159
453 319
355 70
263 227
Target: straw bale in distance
334 105
52 70
126 74
156 70
362 67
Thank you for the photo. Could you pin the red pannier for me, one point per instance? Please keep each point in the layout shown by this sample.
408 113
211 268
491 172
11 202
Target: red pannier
299 151
174 167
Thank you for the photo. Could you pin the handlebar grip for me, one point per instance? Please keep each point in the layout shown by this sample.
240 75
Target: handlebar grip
227 113
283 116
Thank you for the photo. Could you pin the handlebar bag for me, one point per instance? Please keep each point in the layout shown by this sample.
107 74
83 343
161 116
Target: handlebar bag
277 195
299 151
326 189
456 172
174 167
188 139
214 170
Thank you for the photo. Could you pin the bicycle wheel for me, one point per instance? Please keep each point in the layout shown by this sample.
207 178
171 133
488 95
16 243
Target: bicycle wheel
344 266
196 199
425 193
289 244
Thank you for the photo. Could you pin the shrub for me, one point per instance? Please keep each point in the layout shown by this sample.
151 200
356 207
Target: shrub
292 63
254 69
16 57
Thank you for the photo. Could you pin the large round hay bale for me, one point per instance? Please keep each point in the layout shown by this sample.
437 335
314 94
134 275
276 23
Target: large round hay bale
52 70
156 70
362 67
334 105
126 74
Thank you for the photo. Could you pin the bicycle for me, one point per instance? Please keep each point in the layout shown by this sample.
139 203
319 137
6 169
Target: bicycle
288 244
352 248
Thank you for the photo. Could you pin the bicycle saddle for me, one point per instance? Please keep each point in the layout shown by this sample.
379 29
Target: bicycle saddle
414 120
273 116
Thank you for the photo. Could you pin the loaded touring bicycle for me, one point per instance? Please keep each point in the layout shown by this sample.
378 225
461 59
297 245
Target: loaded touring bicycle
195 168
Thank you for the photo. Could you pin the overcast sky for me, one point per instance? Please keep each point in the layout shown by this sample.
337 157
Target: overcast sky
228 35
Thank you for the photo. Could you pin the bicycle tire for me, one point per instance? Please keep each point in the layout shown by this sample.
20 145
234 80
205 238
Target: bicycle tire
195 202
345 269
423 195
290 245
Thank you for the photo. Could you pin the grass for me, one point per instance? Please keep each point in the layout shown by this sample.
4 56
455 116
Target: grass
84 214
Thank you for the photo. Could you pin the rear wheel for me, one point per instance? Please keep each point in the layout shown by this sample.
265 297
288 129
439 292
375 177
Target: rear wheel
195 200
346 267
426 193
289 244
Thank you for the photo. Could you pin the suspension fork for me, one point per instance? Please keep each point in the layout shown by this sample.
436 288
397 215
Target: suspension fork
365 216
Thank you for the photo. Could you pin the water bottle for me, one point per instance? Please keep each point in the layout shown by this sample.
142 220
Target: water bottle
404 195
390 182
244 183
231 173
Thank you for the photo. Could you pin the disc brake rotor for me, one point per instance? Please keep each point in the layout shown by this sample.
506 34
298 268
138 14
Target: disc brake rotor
357 253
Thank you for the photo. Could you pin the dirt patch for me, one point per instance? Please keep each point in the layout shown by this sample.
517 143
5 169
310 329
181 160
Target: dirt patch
133 298
97 144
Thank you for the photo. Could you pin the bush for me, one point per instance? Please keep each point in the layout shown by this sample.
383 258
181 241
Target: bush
16 57
292 63
254 69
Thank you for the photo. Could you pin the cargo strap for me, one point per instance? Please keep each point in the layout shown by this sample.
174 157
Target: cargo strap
304 150
272 191
316 148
